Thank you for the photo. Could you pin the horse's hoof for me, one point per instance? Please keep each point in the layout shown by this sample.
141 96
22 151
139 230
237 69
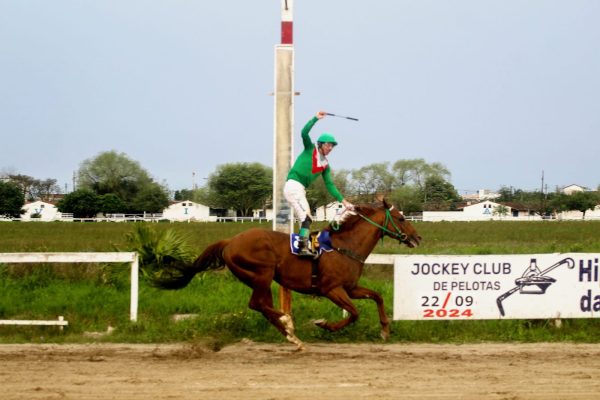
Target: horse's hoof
385 335
320 322
293 339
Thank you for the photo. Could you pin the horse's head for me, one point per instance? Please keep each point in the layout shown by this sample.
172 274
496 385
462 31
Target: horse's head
393 224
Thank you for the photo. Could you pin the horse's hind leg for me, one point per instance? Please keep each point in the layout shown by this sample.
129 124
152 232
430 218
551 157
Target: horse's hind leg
340 297
364 293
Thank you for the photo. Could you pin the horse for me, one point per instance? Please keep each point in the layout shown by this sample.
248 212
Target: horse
257 257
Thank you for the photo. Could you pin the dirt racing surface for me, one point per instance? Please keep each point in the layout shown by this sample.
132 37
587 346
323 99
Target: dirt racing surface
248 370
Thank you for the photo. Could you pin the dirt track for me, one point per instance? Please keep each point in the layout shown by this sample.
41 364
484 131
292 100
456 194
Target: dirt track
249 370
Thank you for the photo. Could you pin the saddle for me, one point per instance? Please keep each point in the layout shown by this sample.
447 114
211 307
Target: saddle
318 243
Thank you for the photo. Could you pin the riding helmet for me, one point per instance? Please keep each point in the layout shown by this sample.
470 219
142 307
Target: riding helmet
327 138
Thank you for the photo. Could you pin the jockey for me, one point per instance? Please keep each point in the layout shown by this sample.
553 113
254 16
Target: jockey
309 165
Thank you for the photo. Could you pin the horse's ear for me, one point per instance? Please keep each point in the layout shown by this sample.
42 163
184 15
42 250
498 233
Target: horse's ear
380 198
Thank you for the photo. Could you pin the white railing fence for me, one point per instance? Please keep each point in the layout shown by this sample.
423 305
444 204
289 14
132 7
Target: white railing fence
89 257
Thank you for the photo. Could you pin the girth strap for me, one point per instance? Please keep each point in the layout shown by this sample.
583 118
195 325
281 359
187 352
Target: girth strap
314 275
350 254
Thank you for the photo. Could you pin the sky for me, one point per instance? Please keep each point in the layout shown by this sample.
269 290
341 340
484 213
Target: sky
500 92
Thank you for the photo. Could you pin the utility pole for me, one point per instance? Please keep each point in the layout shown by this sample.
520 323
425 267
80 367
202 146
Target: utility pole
283 218
543 199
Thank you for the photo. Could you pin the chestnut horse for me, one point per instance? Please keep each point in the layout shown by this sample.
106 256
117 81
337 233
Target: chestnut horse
259 256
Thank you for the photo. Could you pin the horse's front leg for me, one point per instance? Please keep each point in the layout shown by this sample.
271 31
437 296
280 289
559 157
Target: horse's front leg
262 301
339 297
364 293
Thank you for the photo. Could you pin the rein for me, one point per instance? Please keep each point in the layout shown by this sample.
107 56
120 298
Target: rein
398 234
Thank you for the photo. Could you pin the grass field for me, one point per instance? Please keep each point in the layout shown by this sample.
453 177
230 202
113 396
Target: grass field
94 297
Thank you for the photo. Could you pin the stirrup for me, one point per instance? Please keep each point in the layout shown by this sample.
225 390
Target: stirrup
303 249
305 253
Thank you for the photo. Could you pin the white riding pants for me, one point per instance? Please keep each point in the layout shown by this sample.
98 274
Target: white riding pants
295 194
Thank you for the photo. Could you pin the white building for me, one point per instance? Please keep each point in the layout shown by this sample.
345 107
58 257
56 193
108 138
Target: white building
484 211
40 211
262 213
188 211
570 189
329 212
482 194
578 215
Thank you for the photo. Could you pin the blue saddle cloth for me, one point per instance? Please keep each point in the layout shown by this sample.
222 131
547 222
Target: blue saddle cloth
322 240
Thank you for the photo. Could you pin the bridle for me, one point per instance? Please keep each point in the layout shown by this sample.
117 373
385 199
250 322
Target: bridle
397 234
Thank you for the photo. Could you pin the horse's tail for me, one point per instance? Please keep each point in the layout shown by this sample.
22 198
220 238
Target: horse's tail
181 275
211 257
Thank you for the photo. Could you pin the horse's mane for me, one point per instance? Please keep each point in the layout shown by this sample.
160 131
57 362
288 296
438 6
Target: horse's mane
349 219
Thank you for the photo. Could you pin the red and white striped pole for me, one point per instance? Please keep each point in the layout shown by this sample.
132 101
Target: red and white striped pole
283 217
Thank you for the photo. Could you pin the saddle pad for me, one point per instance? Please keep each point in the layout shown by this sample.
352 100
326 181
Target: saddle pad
322 237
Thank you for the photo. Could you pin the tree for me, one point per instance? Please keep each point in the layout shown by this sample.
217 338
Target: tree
371 180
501 210
506 194
151 198
582 201
203 195
110 203
417 171
183 194
408 199
35 189
240 186
439 195
536 201
317 194
44 189
115 173
81 203
112 172
11 199
25 183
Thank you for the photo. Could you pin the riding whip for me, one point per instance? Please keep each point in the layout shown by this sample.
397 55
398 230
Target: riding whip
342 116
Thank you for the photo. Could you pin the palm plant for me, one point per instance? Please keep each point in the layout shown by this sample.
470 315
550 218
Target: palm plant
160 252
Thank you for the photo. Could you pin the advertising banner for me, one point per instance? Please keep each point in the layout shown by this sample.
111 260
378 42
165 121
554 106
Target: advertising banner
525 286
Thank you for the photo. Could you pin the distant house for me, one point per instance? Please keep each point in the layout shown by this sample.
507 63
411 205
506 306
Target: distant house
329 211
483 211
570 189
518 210
262 213
187 211
482 194
40 211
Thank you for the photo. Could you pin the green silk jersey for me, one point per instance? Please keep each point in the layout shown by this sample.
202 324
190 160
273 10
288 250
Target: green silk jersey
311 164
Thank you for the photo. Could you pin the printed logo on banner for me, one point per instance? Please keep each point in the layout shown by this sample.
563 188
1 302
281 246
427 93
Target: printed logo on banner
497 286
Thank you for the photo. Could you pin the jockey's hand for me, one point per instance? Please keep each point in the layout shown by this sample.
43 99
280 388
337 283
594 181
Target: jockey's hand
348 205
321 114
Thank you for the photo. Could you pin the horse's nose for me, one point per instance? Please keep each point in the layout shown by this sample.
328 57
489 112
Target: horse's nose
416 240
